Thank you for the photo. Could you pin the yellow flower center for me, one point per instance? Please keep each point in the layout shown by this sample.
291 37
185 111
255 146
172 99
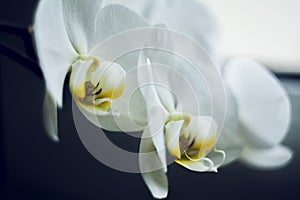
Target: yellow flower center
95 85
199 149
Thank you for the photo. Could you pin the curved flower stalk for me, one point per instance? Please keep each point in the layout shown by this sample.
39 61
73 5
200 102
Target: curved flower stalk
187 138
264 114
65 34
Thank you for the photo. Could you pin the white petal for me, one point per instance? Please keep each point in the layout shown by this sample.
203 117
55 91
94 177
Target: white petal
114 19
264 107
50 117
172 134
112 78
54 49
146 83
156 127
157 183
131 104
162 64
204 129
117 122
151 167
231 154
218 158
175 15
204 165
198 89
229 140
79 17
269 158
189 17
157 114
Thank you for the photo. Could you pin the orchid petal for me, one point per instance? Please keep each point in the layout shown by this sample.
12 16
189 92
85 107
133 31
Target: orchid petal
114 19
162 64
79 19
210 163
172 134
55 51
132 104
264 107
269 158
204 31
50 117
156 126
117 122
218 158
157 114
229 140
111 77
152 168
198 89
204 129
203 28
202 165
157 183
146 82
189 98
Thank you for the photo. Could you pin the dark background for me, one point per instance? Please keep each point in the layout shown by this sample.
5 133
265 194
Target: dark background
33 167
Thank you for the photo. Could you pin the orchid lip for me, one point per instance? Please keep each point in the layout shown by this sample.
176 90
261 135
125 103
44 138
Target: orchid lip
209 161
194 142
94 83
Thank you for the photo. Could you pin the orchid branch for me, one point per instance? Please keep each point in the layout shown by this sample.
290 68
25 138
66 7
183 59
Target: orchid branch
25 32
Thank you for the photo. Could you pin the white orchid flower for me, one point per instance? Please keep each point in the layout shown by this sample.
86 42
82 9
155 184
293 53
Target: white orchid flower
257 121
264 114
188 138
66 32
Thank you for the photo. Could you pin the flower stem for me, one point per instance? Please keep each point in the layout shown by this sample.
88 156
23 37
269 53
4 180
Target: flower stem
21 59
25 32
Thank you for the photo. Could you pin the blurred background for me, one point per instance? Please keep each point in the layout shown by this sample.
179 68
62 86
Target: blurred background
33 167
265 30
